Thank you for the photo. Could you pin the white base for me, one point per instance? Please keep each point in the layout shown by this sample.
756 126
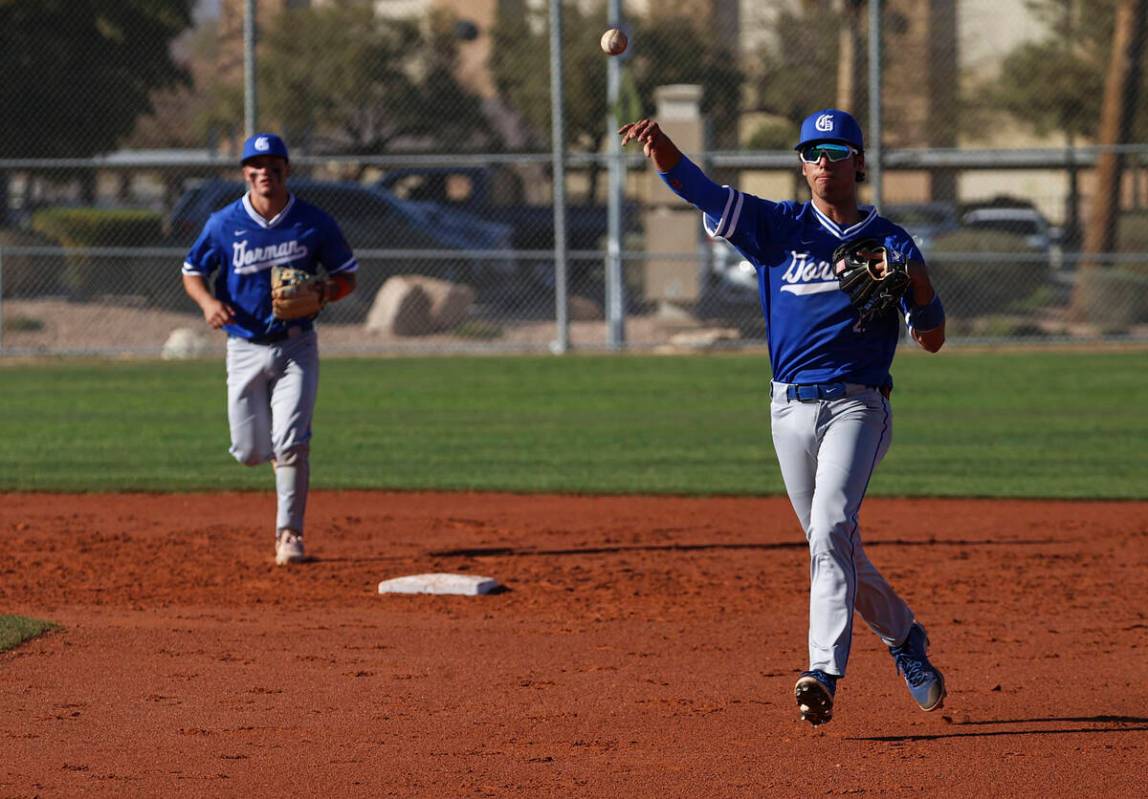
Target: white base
464 584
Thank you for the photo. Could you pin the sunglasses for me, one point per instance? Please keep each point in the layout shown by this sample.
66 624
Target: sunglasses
834 152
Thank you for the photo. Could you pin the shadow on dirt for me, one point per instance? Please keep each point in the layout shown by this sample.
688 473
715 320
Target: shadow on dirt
507 552
1114 724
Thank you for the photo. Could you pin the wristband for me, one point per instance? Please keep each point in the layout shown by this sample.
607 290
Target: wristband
929 316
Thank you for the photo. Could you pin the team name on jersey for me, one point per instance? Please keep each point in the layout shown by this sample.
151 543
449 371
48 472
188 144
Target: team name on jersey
807 276
256 259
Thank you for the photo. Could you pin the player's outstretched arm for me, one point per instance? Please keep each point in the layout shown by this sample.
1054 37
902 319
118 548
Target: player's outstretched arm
215 313
679 173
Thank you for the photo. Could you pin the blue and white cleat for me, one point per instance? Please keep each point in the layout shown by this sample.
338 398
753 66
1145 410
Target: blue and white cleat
814 692
925 682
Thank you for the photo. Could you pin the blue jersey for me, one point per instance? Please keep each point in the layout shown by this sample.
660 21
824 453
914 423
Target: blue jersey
812 328
244 245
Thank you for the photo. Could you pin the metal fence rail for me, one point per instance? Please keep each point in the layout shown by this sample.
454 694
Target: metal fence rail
109 301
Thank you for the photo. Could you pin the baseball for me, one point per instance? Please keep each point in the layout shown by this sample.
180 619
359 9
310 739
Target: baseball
614 42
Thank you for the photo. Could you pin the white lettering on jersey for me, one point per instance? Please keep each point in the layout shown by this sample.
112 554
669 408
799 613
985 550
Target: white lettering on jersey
806 276
248 261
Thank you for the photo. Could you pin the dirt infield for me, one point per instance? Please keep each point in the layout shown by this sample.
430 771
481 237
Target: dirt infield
645 647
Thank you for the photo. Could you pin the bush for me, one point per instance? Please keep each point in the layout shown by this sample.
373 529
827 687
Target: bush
85 275
22 324
1132 232
772 134
991 280
24 275
995 327
1116 297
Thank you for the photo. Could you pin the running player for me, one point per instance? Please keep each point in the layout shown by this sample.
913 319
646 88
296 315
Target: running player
272 365
830 412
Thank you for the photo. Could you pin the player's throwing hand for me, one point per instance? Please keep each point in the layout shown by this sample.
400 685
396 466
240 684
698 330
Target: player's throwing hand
655 144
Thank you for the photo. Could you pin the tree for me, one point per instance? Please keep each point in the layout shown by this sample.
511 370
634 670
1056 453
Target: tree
671 48
77 73
1121 93
340 78
196 113
798 74
520 63
680 49
1056 84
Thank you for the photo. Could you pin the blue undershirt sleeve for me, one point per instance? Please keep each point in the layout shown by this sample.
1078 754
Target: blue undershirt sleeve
691 184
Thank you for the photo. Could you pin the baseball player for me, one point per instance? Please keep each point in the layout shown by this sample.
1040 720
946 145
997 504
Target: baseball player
272 350
830 412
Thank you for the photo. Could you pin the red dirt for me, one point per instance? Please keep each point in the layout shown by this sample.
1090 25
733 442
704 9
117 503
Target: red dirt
646 647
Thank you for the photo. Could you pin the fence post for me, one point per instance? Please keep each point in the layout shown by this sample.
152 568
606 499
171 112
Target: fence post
874 155
615 297
558 153
250 98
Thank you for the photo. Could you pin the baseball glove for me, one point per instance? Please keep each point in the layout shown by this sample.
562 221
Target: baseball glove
874 277
296 294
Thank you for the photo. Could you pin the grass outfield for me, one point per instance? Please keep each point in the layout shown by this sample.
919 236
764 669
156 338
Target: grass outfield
15 630
967 423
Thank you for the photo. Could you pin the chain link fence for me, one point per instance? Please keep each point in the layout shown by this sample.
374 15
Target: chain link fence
424 128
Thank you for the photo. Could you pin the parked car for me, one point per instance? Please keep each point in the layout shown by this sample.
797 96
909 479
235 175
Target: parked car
924 221
373 219
497 194
1041 238
732 279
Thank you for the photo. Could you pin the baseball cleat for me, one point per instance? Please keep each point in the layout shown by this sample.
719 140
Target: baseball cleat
814 693
925 682
288 547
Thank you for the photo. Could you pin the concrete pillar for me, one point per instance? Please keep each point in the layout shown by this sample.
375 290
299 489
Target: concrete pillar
672 225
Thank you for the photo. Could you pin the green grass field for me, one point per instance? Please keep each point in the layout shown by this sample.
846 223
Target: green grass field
967 423
15 630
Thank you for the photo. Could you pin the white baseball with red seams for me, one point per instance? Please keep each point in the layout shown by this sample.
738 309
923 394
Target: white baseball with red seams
614 42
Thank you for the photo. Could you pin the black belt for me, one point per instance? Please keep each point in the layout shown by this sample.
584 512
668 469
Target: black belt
282 335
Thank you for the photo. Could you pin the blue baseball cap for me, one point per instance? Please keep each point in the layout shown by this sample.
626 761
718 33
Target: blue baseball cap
263 144
830 125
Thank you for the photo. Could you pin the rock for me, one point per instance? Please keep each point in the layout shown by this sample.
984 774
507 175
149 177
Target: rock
184 343
414 305
583 309
401 308
705 338
449 302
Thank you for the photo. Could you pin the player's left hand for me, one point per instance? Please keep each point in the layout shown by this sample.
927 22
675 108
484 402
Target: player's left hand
874 277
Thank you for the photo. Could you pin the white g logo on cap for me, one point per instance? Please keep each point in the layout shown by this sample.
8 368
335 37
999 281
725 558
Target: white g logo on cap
262 144
824 123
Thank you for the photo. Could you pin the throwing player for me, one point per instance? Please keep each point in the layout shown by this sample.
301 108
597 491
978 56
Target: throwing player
830 412
272 360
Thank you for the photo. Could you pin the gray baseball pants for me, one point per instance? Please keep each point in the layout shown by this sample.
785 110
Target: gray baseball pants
271 392
828 450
